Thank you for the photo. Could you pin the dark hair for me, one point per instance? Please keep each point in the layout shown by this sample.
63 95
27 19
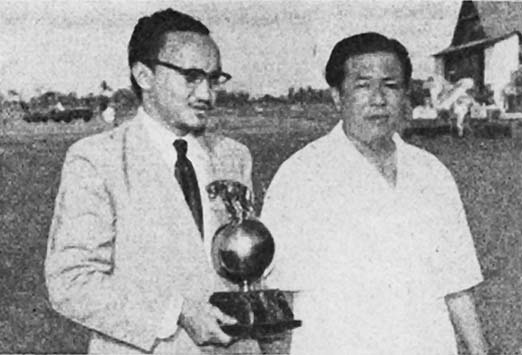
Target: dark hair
148 36
369 42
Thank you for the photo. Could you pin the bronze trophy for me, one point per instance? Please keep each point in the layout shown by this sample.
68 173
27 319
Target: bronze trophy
241 251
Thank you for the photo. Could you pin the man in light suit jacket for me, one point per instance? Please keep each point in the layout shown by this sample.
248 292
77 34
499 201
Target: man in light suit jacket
128 255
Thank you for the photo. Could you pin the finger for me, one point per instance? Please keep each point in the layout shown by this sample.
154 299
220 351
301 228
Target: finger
222 338
222 317
216 336
218 341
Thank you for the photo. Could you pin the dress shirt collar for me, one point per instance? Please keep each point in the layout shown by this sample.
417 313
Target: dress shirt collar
346 149
340 136
162 138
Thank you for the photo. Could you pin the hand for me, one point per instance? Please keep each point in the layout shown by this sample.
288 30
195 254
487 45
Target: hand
202 322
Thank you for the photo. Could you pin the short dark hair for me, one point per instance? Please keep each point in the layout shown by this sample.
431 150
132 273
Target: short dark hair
148 37
369 42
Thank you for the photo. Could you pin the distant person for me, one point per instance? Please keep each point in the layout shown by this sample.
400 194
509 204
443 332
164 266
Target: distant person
425 111
59 107
371 230
106 107
128 253
437 86
461 108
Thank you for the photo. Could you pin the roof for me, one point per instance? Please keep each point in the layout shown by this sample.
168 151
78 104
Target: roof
495 21
475 44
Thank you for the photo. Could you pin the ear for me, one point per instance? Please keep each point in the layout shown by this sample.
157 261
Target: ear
336 97
407 109
143 75
408 90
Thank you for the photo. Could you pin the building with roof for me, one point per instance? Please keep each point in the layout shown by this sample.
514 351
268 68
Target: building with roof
485 46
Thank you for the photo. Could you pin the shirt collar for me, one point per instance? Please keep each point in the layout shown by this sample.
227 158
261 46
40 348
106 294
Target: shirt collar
340 137
162 138
345 150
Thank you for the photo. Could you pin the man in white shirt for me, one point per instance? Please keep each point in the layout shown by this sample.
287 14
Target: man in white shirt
371 230
128 253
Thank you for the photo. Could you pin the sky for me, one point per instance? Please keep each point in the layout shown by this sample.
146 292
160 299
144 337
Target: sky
267 45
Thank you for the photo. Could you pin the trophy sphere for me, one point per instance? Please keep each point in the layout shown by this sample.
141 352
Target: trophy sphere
242 251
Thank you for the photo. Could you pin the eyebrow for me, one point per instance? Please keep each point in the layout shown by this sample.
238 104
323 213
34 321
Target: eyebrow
386 78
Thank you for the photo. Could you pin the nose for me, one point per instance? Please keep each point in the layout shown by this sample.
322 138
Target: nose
203 91
378 96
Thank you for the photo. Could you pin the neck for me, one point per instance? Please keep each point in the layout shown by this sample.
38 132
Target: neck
381 154
379 149
155 115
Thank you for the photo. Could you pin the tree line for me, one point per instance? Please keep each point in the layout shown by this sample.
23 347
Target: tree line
54 105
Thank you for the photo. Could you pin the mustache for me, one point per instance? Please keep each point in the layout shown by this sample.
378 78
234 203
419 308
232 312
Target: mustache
202 105
377 116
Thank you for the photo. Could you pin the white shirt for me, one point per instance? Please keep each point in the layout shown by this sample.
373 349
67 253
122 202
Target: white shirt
162 139
372 262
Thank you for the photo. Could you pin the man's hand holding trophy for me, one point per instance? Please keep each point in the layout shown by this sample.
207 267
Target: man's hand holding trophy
241 250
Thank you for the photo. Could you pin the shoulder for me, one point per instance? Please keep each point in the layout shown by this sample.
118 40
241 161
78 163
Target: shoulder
100 145
100 152
307 160
427 165
297 177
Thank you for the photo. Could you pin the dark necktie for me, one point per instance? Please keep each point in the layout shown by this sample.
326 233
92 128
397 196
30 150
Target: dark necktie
186 176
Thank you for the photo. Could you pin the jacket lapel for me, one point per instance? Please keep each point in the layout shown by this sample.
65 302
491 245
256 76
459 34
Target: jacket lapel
216 212
150 178
162 217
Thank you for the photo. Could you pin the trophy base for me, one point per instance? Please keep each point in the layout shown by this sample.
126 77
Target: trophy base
260 314
259 331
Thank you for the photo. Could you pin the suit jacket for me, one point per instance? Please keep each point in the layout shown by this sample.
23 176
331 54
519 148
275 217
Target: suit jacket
123 240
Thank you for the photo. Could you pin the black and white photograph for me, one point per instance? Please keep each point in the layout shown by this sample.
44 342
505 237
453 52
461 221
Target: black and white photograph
292 177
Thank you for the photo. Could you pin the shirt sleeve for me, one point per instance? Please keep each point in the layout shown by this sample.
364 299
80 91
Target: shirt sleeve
460 266
282 215
80 270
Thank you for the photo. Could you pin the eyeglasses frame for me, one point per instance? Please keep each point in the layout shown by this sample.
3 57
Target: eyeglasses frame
185 72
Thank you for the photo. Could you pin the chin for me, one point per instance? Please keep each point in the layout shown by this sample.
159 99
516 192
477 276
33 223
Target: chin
193 127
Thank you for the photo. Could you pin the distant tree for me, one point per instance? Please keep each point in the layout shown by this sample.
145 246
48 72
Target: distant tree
39 90
70 100
104 86
308 95
291 95
91 101
269 99
232 99
48 99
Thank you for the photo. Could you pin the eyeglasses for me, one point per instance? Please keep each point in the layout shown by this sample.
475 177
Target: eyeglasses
195 76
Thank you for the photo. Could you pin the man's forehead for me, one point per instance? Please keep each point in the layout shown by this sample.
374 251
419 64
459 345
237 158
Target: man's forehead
372 63
183 43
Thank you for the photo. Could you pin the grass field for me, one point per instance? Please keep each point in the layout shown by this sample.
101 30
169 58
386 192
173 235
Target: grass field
488 173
